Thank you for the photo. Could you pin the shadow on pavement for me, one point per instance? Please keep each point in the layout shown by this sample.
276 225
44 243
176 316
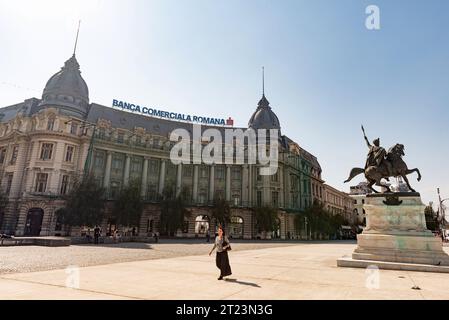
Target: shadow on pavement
251 284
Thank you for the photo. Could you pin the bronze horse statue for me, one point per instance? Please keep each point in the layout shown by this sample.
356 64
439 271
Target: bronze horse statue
391 166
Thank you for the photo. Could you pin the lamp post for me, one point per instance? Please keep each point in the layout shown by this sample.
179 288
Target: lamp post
305 222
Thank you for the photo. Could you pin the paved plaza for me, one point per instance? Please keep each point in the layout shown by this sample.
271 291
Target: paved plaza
170 270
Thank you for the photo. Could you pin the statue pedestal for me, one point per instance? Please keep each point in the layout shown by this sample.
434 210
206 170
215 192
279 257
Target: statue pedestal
396 236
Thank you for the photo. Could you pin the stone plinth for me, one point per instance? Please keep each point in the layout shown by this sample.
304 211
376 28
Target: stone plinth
396 234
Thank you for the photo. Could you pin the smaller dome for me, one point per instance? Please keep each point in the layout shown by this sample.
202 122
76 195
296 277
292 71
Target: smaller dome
67 89
264 117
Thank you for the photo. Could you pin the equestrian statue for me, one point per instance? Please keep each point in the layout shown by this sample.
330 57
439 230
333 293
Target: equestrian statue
381 164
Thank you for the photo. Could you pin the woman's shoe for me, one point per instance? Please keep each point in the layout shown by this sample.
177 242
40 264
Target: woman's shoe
220 278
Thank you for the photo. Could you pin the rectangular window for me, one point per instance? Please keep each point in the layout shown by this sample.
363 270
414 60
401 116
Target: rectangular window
69 153
46 151
202 196
101 133
187 171
99 159
156 143
236 199
64 184
219 172
2 155
74 128
204 172
41 182
117 164
115 189
236 173
138 140
259 199
9 182
120 138
136 165
154 167
275 199
50 124
15 151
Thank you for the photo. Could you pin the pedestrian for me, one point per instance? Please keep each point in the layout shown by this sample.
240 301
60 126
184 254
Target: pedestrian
97 232
208 236
222 259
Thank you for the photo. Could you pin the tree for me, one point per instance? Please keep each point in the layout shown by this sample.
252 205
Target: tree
431 216
173 211
320 220
84 205
221 211
266 219
128 207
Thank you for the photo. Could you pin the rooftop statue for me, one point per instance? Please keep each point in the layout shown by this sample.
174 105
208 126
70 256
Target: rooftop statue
381 164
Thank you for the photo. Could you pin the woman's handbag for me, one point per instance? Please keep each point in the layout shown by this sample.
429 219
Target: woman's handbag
225 243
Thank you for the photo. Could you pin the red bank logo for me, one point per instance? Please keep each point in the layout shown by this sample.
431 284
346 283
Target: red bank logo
230 122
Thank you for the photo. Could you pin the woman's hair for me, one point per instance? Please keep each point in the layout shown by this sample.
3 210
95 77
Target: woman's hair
222 229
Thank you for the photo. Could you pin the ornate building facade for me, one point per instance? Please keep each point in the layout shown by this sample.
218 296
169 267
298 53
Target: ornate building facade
45 144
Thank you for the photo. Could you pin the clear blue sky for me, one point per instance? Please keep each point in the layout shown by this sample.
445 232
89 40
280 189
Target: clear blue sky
325 72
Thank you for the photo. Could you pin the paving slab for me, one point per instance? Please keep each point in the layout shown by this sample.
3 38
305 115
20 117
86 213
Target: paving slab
303 271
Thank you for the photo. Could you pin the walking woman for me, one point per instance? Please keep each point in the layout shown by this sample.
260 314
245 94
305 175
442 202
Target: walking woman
222 260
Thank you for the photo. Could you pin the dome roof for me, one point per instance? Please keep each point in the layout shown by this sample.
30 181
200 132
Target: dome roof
264 117
67 89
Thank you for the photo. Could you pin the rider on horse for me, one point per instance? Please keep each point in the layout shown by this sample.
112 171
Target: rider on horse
376 155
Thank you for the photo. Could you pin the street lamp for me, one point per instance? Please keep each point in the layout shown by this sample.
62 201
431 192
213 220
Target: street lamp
305 222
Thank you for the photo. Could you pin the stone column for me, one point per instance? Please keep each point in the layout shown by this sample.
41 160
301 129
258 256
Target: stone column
212 183
281 183
127 165
143 188
162 177
250 186
266 196
107 173
179 180
195 184
228 183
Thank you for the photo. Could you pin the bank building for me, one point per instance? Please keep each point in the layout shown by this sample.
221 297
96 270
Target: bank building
45 144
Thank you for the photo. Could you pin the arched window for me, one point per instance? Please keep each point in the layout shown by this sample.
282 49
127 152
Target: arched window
236 227
202 224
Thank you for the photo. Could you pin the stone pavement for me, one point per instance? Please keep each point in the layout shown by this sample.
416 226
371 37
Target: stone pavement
303 271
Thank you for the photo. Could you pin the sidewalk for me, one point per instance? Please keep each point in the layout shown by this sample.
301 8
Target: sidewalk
303 271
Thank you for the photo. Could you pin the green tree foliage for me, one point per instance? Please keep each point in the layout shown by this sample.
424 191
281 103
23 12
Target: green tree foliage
266 219
319 220
221 211
84 205
173 211
128 206
431 216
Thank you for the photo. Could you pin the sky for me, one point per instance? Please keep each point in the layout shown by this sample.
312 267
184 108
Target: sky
325 72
